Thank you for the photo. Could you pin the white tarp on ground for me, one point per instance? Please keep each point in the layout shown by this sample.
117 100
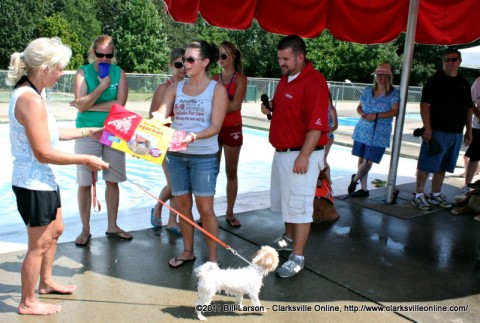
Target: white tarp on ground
471 57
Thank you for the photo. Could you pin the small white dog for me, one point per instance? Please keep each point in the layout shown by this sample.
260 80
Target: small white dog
235 282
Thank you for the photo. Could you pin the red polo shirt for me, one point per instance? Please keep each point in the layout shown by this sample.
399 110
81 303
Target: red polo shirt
298 107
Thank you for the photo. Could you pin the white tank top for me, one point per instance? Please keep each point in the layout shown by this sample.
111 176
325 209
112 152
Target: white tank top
194 114
28 172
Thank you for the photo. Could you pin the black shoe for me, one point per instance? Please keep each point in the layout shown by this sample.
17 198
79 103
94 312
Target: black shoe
360 193
352 186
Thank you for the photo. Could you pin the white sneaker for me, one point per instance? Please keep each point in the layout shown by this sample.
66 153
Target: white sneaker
421 203
282 243
439 200
465 190
291 267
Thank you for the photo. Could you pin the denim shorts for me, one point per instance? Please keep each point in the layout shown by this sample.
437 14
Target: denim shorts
446 159
371 153
190 173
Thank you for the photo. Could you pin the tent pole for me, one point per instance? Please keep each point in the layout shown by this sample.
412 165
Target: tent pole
390 194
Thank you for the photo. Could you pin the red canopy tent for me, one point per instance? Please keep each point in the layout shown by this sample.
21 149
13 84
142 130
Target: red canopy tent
438 22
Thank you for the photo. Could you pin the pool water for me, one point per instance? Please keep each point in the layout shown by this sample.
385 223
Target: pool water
254 175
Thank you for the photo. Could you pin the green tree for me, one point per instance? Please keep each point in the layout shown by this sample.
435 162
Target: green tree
18 25
83 21
259 51
107 11
138 37
58 26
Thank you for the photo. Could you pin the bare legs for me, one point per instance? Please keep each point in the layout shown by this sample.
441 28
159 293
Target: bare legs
298 232
42 246
437 181
232 156
112 198
209 223
364 166
164 196
327 150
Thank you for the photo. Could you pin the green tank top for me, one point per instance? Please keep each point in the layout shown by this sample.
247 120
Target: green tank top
97 118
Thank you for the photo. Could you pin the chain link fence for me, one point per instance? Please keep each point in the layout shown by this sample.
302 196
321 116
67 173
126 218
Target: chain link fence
141 87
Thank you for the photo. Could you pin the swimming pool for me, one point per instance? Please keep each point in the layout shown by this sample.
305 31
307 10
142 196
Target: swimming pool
254 176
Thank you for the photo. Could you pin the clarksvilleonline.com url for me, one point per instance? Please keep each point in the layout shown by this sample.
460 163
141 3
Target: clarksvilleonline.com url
405 308
366 308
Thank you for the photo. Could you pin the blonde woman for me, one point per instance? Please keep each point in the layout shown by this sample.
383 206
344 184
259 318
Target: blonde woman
94 96
34 136
371 136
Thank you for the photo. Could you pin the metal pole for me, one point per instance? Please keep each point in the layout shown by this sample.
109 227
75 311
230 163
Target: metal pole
405 79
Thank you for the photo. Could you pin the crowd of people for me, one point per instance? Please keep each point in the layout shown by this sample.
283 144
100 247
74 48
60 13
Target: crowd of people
303 120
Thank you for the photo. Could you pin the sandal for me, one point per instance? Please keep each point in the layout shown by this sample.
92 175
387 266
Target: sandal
182 261
82 240
176 230
234 223
154 221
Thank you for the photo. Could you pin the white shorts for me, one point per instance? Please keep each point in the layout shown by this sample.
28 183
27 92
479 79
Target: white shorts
115 158
292 194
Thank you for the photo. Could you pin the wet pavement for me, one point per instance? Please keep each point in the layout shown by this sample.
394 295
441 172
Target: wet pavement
369 266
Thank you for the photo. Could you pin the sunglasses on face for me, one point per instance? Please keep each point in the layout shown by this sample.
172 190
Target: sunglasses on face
101 55
450 59
224 56
191 60
178 65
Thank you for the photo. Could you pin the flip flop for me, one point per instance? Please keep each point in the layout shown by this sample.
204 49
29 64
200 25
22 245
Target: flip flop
182 261
85 243
176 230
234 223
118 235
154 221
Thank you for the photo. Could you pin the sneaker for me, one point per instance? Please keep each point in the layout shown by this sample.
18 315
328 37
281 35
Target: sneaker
421 203
291 267
282 243
465 190
352 186
440 200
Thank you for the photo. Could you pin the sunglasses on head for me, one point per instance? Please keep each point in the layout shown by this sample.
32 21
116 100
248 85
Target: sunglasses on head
191 60
178 65
101 55
224 56
450 59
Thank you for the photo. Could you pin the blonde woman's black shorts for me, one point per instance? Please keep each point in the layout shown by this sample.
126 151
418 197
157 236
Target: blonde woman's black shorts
37 208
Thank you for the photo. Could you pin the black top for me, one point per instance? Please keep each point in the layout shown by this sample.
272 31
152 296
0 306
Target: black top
449 99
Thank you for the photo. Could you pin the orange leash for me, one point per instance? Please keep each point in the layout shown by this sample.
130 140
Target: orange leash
211 236
96 203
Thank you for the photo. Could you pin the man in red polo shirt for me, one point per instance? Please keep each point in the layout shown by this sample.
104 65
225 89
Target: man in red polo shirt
298 132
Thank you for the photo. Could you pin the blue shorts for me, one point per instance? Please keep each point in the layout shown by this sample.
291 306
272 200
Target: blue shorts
190 173
371 153
446 159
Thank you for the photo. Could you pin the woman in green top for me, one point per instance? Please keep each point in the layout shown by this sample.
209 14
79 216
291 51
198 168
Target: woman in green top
94 96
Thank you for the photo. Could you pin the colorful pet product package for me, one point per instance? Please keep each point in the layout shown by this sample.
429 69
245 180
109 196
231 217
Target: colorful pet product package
129 132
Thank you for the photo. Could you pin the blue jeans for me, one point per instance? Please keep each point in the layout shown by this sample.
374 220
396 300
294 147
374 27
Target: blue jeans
195 174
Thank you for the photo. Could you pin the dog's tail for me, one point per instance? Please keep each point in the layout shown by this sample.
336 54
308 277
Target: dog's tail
206 267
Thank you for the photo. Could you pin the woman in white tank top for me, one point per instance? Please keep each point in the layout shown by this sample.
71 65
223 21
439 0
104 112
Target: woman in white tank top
199 105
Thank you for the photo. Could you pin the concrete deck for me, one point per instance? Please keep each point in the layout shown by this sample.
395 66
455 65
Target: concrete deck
368 266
